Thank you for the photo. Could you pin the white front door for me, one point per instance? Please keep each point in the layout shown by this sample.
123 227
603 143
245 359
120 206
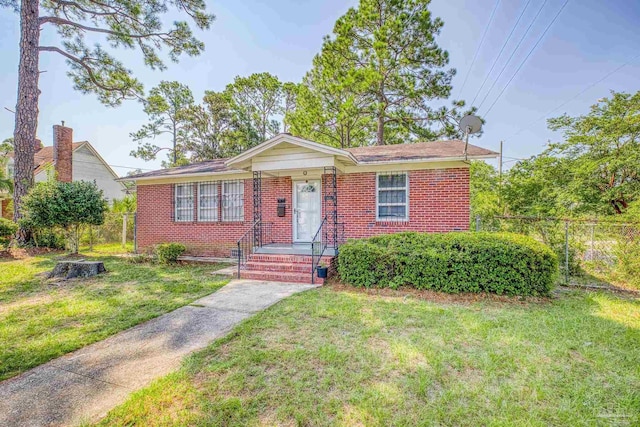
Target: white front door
307 210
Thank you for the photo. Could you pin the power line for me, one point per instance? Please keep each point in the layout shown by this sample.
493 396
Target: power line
495 61
606 76
528 55
513 52
475 56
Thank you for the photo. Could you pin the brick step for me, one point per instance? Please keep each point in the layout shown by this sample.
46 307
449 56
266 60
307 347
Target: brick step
279 276
285 259
283 267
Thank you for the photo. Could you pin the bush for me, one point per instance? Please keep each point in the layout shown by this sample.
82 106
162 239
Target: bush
500 263
7 229
48 238
168 253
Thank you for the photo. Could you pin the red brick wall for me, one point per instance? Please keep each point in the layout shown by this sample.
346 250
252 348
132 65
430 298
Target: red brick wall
155 224
438 201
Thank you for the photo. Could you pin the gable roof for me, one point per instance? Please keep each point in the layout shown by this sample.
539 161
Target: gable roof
452 150
44 157
290 139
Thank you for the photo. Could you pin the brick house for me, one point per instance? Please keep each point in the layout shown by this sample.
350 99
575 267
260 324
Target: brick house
280 207
71 161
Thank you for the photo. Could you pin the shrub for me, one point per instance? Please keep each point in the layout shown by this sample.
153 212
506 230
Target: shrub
65 206
500 263
168 253
7 229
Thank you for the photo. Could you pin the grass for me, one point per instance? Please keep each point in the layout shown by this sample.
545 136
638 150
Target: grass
42 319
334 356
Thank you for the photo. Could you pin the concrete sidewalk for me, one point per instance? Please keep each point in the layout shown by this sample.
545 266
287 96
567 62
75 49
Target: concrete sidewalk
84 385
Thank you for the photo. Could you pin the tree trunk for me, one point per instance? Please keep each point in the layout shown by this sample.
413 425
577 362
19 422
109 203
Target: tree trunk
26 109
381 115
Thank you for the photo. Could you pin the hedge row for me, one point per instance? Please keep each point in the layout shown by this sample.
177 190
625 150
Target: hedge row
500 263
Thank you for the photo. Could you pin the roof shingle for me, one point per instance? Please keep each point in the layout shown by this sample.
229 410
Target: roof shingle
372 154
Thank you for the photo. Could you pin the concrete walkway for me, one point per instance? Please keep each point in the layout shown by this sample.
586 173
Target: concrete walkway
84 385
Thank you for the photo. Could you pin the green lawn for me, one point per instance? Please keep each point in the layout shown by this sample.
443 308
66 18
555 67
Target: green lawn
43 319
338 357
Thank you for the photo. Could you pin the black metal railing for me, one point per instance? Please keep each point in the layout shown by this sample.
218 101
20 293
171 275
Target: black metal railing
318 246
260 234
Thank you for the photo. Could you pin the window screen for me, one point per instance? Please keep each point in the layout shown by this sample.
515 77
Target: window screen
184 202
208 201
393 196
233 201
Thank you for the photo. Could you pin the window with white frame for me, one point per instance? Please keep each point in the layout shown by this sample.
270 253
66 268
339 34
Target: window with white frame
184 202
233 200
208 205
392 198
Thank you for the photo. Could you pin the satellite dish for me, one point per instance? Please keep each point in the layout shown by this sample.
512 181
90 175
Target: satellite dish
470 124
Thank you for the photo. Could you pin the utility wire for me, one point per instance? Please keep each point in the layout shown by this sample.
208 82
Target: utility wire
527 57
495 61
513 52
475 56
603 78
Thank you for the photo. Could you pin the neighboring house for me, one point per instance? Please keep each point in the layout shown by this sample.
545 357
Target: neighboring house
71 161
267 205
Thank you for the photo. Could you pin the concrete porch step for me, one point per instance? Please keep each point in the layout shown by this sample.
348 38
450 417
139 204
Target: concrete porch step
291 277
283 267
285 259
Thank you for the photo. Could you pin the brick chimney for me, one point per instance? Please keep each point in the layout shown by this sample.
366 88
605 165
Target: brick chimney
63 152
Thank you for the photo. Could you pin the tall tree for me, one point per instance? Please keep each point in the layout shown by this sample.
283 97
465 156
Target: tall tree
484 191
166 107
132 24
209 127
603 151
390 46
539 187
332 106
257 101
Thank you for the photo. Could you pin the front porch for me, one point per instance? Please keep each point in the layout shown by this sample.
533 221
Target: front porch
293 249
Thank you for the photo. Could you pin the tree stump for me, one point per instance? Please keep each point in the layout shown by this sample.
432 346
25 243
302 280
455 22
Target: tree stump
77 268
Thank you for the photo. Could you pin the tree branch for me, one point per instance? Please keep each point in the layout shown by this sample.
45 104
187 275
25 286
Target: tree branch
84 65
61 21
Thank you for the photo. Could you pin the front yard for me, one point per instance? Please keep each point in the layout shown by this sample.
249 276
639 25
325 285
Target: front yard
43 319
335 356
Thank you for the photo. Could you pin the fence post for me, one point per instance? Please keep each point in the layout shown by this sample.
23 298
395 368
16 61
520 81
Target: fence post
90 238
478 222
593 229
566 252
135 232
125 219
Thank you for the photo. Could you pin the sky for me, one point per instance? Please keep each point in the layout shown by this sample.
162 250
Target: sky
592 47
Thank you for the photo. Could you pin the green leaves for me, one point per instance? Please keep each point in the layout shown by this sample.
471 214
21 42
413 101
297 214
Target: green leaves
64 205
166 106
376 79
130 24
602 150
500 263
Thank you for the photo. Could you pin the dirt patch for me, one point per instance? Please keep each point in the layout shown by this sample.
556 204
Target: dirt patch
23 253
439 297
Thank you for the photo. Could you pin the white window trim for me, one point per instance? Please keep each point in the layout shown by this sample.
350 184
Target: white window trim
175 202
216 196
406 188
222 201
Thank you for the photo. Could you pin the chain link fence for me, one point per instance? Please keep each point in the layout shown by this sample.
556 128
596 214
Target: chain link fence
590 252
118 227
